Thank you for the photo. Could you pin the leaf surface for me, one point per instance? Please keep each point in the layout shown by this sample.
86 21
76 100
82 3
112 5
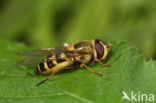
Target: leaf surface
129 72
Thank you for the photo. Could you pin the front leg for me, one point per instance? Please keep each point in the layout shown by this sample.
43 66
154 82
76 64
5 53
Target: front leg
99 62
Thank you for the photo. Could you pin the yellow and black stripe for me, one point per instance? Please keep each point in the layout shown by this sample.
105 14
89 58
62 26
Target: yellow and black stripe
47 66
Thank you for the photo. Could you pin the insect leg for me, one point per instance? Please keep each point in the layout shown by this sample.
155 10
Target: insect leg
83 65
92 62
63 67
45 79
101 63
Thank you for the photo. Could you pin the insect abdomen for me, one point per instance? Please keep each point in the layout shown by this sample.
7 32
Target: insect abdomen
44 67
53 65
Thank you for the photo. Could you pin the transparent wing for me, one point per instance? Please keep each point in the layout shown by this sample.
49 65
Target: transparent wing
43 51
31 60
45 55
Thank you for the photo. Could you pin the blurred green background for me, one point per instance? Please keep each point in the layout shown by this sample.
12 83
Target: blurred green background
48 23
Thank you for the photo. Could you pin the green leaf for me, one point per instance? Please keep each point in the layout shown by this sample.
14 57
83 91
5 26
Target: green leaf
129 72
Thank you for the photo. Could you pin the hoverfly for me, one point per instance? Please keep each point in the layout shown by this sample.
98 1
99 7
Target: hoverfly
53 60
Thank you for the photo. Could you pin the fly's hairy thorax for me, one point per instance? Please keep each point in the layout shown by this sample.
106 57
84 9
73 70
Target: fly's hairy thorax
84 51
84 59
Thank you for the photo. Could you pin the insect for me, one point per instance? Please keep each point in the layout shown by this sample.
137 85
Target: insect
53 60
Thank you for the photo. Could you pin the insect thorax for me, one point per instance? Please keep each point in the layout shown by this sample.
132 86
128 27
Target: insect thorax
83 46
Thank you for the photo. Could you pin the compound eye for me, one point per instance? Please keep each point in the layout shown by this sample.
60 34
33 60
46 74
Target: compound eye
99 49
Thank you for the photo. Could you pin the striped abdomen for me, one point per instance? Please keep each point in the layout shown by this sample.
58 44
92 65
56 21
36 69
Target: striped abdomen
54 62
